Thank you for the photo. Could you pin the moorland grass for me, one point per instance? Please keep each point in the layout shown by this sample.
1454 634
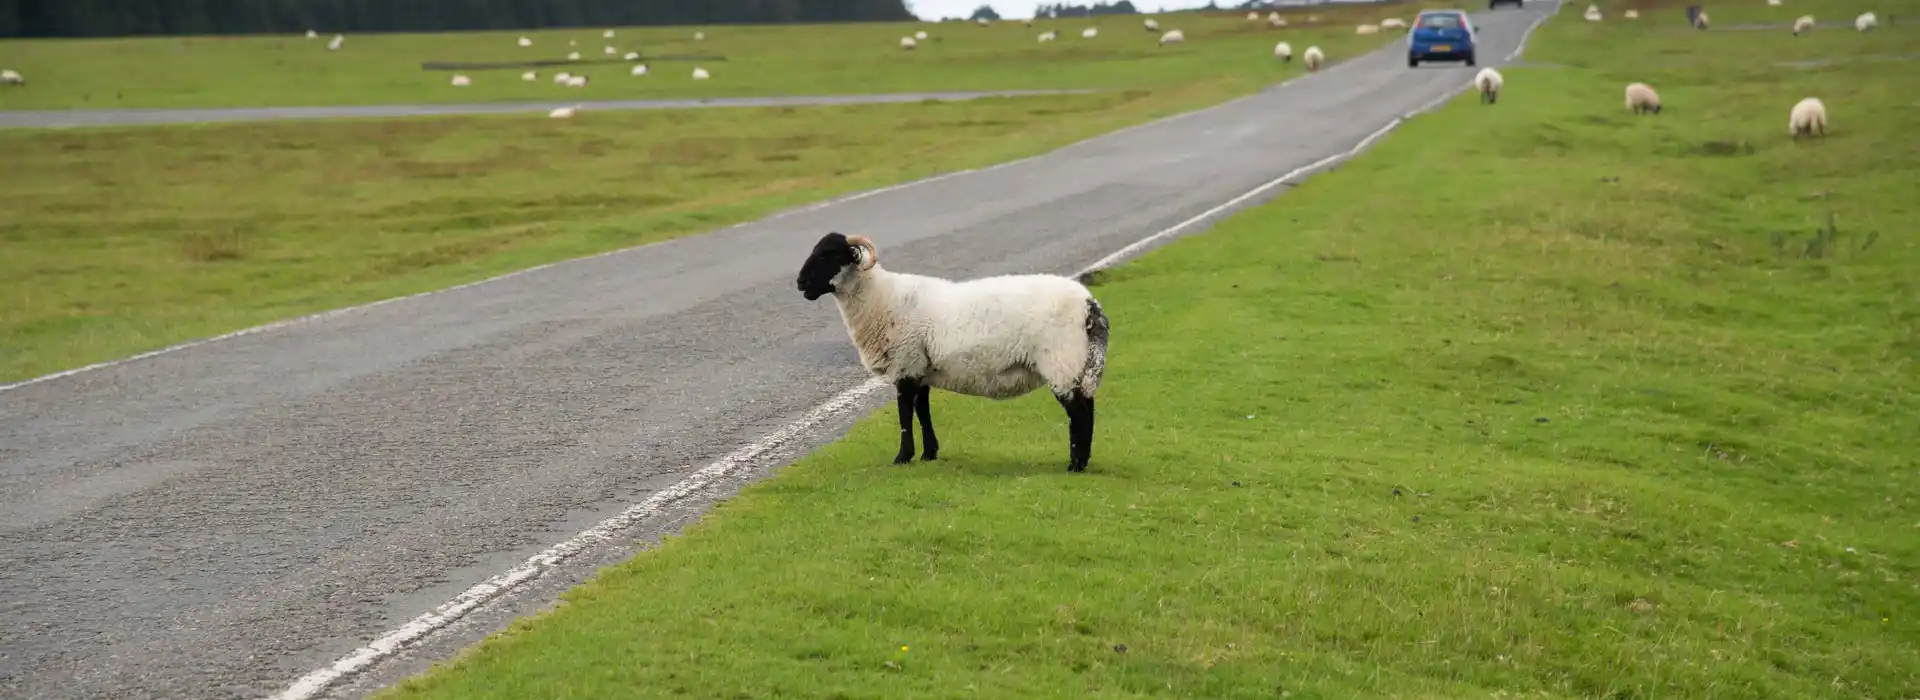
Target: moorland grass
1533 400
758 60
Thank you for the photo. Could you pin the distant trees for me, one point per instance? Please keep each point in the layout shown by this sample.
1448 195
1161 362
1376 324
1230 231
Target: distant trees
53 18
1124 7
984 12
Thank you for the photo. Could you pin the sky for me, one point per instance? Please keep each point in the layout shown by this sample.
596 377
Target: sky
1017 9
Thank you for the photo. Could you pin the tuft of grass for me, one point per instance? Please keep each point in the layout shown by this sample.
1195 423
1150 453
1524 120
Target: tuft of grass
1525 403
746 60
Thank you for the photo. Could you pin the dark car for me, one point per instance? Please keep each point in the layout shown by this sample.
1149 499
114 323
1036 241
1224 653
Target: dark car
1495 4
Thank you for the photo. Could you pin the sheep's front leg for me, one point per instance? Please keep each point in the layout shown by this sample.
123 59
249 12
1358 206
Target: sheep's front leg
923 405
909 392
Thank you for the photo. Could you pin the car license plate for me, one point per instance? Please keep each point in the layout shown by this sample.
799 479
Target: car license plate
1442 47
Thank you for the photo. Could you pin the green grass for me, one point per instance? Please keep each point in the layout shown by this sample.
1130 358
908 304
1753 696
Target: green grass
759 60
1536 400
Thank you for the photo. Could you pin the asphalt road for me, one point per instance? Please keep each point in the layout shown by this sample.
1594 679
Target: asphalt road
216 521
72 118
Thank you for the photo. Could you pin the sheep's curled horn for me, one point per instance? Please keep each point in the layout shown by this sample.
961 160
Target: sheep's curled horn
869 255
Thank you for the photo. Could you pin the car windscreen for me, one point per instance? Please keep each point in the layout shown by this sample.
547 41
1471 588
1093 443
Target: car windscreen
1440 21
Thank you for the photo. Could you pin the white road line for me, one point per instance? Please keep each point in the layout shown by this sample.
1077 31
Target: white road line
1536 25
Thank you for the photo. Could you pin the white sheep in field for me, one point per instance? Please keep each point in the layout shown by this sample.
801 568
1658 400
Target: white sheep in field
995 337
1313 58
920 35
1283 51
632 56
1367 29
1172 37
562 78
571 42
1488 82
699 36
338 39
640 70
608 34
11 77
983 21
1089 32
608 50
525 42
1393 23
529 76
1253 17
1808 118
1048 36
1275 20
1631 14
1804 24
1592 14
461 81
1700 21
577 81
1866 21
701 74
1773 3
575 56
1641 99
563 113
907 43
311 34
1151 24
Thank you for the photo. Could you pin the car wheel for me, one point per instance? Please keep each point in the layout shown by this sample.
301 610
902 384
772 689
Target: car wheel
1413 62
1469 59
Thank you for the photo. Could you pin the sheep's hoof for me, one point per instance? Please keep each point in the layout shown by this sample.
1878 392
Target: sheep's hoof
930 455
903 458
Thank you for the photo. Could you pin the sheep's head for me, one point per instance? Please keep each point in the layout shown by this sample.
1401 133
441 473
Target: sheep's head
835 257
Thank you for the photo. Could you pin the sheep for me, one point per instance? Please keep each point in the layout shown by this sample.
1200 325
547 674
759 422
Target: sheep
563 113
1089 32
1026 22
1592 14
1808 118
1151 24
562 78
1805 23
1488 82
608 34
571 42
995 337
920 35
11 77
983 21
529 76
1367 29
575 56
608 50
1172 37
1314 58
1283 51
699 36
1700 21
1631 14
311 34
525 42
1773 3
701 74
907 43
1312 19
1866 21
1641 99
1393 23
1275 20
577 81
461 81
1253 17
632 56
640 70
338 39
1047 36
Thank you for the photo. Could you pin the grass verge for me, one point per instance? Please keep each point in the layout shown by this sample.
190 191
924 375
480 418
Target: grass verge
1538 399
754 60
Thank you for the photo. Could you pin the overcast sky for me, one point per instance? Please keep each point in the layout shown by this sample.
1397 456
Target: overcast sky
935 9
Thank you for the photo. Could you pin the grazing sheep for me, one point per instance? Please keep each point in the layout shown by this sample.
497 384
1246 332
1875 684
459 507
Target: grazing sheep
571 42
699 36
1866 21
1700 21
1488 82
563 113
1367 29
1026 22
1641 99
311 34
1283 51
1253 17
640 69
920 35
1089 32
701 74
575 56
1773 3
1152 25
577 81
529 76
995 337
338 39
907 43
1808 118
525 42
461 81
1275 20
983 21
608 50
1314 58
1393 23
1312 19
10 77
632 56
608 34
1631 14
562 78
1172 37
1592 15
1804 24
1047 36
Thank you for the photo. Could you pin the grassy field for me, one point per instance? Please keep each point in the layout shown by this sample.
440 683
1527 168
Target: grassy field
1536 400
758 60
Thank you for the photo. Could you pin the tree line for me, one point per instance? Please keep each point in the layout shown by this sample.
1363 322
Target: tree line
77 18
1124 7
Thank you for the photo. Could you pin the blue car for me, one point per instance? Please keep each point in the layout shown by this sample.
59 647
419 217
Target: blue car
1440 35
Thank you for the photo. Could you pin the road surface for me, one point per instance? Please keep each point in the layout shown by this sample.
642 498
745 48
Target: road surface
71 118
219 520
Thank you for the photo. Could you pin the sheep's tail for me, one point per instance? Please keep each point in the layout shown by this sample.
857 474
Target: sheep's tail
1096 365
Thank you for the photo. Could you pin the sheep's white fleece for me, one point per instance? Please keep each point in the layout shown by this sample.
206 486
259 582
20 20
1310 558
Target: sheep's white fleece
1314 57
1641 95
1809 116
997 337
1487 81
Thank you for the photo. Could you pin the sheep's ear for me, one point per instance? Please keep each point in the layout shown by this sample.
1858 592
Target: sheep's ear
864 252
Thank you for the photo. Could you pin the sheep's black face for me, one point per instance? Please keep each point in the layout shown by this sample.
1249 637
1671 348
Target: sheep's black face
831 255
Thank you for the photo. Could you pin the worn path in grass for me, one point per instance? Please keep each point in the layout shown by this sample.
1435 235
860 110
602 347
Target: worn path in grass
217 520
128 117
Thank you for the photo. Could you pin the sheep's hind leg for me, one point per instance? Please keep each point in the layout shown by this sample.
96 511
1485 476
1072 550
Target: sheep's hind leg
1079 428
910 390
923 405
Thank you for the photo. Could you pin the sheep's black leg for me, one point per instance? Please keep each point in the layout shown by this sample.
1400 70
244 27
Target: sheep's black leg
1079 428
923 405
909 390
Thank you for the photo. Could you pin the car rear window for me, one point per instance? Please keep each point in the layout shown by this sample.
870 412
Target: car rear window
1440 21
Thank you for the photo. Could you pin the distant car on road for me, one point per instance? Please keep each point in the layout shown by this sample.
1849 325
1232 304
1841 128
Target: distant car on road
1440 35
1495 4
